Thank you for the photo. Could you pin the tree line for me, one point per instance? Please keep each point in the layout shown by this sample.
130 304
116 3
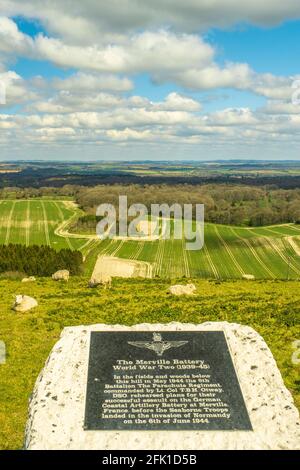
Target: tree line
37 260
233 204
224 204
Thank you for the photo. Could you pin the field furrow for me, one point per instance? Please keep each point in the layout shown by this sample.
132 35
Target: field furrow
62 218
187 272
9 223
45 220
251 253
227 248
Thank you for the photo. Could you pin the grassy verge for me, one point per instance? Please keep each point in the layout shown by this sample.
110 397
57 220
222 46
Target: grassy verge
271 307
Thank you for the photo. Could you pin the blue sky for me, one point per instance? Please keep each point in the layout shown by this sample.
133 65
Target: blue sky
151 84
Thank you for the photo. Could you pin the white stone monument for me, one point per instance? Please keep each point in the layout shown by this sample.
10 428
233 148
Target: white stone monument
69 409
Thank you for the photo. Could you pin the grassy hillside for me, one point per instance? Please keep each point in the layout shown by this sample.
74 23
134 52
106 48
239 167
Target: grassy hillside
271 252
271 307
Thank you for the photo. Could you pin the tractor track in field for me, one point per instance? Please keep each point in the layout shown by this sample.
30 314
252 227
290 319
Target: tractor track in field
227 248
284 258
159 257
137 251
9 223
255 254
118 248
211 263
293 244
273 243
185 260
27 231
46 227
295 228
271 230
62 218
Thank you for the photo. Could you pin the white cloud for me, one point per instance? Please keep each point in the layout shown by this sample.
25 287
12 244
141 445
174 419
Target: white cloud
229 127
83 82
96 105
281 107
145 52
130 134
16 89
13 40
79 21
212 76
184 59
175 101
67 102
232 117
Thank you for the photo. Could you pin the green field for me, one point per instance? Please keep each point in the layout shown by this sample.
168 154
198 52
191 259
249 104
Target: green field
229 252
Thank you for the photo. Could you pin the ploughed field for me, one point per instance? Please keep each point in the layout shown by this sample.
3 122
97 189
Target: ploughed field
229 252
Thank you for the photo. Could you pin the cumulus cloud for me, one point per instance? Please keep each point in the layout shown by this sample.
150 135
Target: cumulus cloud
145 52
181 58
11 39
232 117
281 107
107 45
16 90
230 126
79 21
67 102
83 82
176 101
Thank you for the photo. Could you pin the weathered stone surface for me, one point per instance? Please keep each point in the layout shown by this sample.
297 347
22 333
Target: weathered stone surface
23 303
101 279
28 279
57 406
62 275
178 289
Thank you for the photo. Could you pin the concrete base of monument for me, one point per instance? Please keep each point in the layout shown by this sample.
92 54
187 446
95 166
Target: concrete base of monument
57 409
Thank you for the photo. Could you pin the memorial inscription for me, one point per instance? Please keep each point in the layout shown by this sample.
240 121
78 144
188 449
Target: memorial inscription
171 380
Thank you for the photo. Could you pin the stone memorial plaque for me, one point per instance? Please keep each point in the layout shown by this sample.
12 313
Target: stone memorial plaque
163 380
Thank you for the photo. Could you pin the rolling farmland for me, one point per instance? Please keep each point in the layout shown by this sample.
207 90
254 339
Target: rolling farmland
229 252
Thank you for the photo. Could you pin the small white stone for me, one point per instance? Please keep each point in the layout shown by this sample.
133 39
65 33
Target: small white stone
28 279
178 289
100 279
57 406
249 277
23 303
62 275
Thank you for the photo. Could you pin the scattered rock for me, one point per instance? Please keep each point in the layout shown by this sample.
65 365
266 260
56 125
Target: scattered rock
62 275
29 279
249 277
101 279
23 303
188 289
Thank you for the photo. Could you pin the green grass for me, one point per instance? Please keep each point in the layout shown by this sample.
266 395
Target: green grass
229 253
270 307
34 222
